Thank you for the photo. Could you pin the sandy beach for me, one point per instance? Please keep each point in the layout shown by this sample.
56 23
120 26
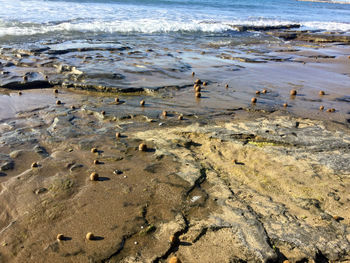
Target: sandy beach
220 178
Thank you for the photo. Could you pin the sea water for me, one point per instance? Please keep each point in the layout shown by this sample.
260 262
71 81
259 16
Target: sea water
100 18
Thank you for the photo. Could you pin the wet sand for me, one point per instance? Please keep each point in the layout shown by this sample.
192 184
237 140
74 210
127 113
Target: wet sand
231 182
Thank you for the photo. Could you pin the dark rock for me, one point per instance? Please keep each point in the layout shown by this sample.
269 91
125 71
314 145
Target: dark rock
40 150
264 28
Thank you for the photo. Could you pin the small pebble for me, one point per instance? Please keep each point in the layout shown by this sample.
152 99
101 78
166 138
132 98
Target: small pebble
174 260
198 81
55 91
89 236
72 107
142 103
135 243
180 118
337 218
25 78
19 93
198 88
264 91
198 95
226 86
94 176
285 105
143 147
97 162
35 165
293 92
257 92
103 112
58 102
205 84
116 99
117 135
253 100
193 74
172 239
60 237
322 93
321 108
165 113
94 150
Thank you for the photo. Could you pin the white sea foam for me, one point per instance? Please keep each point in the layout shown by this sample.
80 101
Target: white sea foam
31 17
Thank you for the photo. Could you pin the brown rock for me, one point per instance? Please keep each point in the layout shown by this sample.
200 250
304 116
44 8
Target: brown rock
72 107
96 162
89 236
198 95
253 100
142 103
60 237
174 260
193 74
285 105
117 134
322 93
198 81
94 176
180 117
58 102
103 112
165 113
143 147
226 86
257 92
205 84
321 108
198 89
94 150
116 99
35 165
264 91
293 92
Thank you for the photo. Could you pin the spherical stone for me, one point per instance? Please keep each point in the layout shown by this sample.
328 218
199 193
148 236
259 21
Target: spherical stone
198 89
89 236
285 105
58 102
55 91
19 93
257 92
34 165
321 108
253 100
180 118
72 107
198 95
329 110
193 74
293 92
198 81
226 86
116 99
174 260
93 176
96 162
165 113
142 103
322 93
60 237
103 112
205 83
117 134
143 147
264 91
94 150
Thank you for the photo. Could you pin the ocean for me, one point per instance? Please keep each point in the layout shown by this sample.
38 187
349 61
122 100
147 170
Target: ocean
32 20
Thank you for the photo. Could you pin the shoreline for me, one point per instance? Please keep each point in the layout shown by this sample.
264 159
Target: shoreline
229 181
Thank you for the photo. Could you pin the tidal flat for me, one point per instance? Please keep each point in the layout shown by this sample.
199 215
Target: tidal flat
218 177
